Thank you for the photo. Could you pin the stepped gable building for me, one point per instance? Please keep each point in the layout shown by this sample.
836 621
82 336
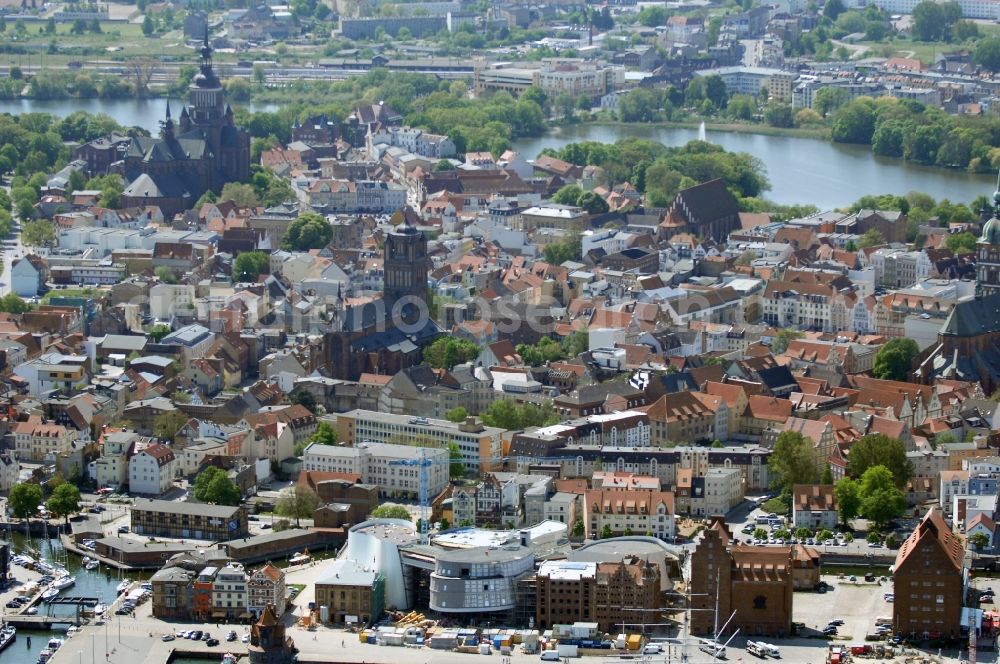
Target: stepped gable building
707 210
203 151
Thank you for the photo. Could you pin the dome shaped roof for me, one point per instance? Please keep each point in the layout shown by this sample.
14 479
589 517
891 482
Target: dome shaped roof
991 232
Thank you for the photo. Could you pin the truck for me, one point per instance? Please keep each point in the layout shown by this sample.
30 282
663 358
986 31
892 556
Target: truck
568 650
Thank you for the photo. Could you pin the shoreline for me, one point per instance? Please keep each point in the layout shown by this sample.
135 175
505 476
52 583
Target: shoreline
818 133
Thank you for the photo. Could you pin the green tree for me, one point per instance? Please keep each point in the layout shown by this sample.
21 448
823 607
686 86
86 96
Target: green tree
606 532
390 511
303 398
854 122
944 438
456 467
894 359
24 499
249 265
166 425
872 238
147 26
781 340
504 413
308 231
324 435
833 8
568 194
165 274
592 203
158 331
214 486
243 195
779 115
444 525
569 248
827 476
653 16
874 538
546 350
12 304
877 449
961 243
803 533
579 530
881 501
641 105
297 502
64 501
39 233
847 493
447 351
792 461
987 53
715 90
760 533
443 165
457 414
979 540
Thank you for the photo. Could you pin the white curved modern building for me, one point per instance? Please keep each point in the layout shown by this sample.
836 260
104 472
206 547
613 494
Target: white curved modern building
375 543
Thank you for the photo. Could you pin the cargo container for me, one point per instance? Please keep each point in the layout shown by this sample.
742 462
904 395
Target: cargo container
633 641
568 650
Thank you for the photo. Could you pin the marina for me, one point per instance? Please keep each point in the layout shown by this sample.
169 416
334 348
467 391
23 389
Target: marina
56 591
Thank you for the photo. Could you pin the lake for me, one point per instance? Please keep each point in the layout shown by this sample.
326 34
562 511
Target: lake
145 113
801 170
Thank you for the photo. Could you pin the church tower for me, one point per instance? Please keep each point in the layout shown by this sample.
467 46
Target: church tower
988 252
207 111
406 264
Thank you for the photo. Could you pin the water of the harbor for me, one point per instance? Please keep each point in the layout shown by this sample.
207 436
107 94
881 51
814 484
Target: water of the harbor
100 583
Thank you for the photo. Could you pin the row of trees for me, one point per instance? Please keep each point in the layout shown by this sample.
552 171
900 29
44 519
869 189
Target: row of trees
877 471
660 171
908 129
25 499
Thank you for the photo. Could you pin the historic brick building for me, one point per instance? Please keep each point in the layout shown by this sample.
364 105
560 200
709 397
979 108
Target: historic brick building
755 582
386 336
929 581
707 210
569 592
205 150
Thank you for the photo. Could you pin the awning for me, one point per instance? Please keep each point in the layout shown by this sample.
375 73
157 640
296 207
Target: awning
219 614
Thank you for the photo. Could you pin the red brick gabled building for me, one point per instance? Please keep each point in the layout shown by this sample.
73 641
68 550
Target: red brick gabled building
929 581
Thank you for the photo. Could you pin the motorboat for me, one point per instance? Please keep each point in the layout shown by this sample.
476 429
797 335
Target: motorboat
50 594
124 586
7 636
44 656
229 658
54 644
299 559
64 582
87 559
91 565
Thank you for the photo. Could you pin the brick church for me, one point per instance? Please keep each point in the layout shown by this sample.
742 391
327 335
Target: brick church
389 334
203 150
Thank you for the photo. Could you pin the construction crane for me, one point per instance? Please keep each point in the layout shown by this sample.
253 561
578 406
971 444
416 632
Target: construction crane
423 464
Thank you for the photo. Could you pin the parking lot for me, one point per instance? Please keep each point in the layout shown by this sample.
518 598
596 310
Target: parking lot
858 604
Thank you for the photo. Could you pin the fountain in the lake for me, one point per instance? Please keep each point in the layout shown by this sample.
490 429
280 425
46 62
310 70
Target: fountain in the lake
701 132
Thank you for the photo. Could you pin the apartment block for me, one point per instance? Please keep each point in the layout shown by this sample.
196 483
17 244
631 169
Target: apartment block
394 469
477 442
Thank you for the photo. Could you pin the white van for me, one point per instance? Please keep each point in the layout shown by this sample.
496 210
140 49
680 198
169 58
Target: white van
883 621
651 649
550 656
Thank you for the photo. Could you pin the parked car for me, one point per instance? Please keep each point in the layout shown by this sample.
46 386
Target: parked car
231 636
168 637
211 643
